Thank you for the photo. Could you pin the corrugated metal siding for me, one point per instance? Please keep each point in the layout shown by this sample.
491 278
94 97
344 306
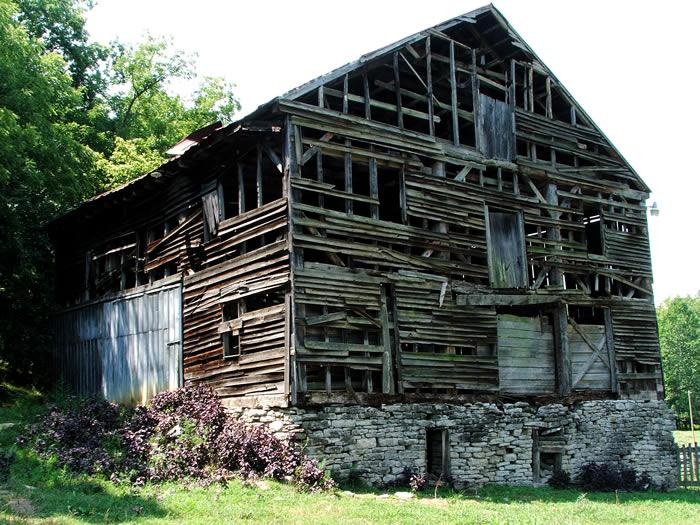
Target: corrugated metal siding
126 349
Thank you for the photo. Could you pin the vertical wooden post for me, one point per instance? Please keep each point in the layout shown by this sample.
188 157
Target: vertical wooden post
397 87
289 379
512 96
402 195
258 176
441 227
561 344
548 86
531 89
387 367
365 90
296 260
609 336
453 93
345 94
556 277
429 74
319 177
373 187
348 180
476 110
241 188
397 336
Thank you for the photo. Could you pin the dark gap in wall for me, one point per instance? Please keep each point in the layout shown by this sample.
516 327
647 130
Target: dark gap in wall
436 454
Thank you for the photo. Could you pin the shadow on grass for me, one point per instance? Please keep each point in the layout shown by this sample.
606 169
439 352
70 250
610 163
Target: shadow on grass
505 495
37 489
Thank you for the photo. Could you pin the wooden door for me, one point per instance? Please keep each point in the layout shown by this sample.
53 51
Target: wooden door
590 357
506 249
495 127
526 362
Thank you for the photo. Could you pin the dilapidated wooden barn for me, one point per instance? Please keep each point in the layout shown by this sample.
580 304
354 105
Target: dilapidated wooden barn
438 220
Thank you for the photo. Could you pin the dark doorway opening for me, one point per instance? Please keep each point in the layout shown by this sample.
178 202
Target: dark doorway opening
437 453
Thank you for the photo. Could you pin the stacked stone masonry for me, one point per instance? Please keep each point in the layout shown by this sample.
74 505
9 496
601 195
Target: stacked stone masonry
488 443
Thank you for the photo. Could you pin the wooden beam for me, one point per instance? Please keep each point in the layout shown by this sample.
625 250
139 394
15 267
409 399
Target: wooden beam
505 300
610 339
241 188
365 90
556 278
429 76
387 365
373 187
453 93
348 180
561 345
475 101
397 88
259 176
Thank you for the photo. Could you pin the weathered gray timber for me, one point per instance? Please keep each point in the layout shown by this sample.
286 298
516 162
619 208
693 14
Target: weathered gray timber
526 355
439 218
126 348
430 258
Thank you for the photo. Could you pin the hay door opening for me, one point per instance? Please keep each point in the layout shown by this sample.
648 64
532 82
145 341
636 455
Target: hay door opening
505 238
437 453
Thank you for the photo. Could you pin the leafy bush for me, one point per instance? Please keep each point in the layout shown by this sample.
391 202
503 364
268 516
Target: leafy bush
184 434
79 436
603 477
7 457
559 480
418 482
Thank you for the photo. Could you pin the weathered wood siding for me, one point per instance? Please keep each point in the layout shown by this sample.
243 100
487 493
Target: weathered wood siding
496 137
590 357
361 234
526 355
125 349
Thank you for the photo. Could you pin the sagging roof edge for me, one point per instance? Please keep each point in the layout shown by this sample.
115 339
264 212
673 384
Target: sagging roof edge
167 169
309 86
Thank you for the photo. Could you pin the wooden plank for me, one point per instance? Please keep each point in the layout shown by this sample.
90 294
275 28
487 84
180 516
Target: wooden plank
429 87
387 361
453 96
563 354
397 89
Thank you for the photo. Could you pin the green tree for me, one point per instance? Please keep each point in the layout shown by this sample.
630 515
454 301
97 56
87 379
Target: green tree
76 117
679 335
148 115
44 168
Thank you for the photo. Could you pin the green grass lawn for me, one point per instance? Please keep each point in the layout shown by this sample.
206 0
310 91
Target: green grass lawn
38 492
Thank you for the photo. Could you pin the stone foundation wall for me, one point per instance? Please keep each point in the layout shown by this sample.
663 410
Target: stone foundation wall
488 443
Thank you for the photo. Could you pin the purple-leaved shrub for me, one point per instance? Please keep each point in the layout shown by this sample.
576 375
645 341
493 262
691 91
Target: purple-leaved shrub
181 435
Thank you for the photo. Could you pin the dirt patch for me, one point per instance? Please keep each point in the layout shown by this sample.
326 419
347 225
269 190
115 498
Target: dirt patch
21 506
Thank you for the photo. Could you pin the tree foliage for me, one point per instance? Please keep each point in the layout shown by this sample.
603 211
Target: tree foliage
679 334
76 117
44 167
148 117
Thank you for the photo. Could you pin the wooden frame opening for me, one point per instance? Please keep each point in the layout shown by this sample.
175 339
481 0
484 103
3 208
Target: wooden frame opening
437 453
505 238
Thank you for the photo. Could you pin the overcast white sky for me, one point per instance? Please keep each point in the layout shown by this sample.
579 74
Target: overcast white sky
631 64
